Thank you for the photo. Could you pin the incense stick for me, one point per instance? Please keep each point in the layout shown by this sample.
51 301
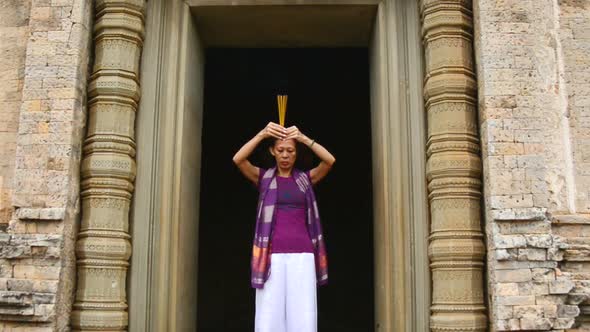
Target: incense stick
282 102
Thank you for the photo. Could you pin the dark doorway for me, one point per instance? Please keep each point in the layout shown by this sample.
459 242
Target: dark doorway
328 100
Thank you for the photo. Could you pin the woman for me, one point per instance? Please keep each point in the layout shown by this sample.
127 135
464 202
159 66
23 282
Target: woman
288 233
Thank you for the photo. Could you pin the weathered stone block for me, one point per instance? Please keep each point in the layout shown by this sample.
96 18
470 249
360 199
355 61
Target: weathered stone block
543 274
560 286
540 288
58 35
551 299
24 271
36 272
43 298
535 323
525 227
52 213
507 324
526 288
560 242
36 240
504 312
570 219
530 161
539 241
38 252
511 201
555 254
6 269
53 252
524 214
27 213
528 311
529 136
15 298
21 285
513 265
532 254
15 252
4 238
45 312
507 289
20 310
509 241
550 311
519 275
45 286
506 254
515 300
50 227
514 324
47 272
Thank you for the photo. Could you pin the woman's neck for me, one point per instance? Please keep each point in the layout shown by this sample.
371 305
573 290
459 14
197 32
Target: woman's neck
284 173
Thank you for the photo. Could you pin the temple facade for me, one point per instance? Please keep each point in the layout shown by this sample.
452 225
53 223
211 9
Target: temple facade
480 131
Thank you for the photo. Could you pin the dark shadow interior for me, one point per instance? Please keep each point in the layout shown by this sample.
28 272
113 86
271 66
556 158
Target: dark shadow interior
328 100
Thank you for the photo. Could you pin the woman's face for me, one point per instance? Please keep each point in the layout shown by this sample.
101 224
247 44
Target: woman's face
285 153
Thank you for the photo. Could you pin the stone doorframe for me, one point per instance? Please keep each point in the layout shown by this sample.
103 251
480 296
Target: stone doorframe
411 167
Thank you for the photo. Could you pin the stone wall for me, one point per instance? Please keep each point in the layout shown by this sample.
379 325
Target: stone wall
14 33
43 107
532 61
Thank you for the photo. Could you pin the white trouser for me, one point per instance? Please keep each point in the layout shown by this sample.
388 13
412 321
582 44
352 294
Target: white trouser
288 300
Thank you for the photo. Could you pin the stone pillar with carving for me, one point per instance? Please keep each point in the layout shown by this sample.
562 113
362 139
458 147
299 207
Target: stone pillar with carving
108 169
456 247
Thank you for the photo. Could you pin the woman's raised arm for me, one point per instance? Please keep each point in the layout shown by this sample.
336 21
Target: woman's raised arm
250 171
327 159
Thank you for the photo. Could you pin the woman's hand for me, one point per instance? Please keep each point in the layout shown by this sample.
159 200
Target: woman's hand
273 130
241 157
293 132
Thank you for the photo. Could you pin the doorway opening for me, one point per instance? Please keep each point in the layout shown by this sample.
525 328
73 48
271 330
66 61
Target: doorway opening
171 259
329 100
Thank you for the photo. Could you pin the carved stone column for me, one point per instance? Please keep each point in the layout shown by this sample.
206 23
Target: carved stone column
456 247
108 169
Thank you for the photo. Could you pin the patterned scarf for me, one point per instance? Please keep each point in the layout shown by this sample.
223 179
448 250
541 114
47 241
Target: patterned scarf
262 248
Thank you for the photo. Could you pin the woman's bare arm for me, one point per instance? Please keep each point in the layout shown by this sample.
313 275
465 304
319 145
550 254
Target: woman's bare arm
327 159
250 171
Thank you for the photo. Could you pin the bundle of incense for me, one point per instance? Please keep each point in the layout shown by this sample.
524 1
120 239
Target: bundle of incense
282 101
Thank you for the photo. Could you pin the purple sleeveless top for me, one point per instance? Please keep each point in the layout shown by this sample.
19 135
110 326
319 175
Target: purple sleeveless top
290 234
